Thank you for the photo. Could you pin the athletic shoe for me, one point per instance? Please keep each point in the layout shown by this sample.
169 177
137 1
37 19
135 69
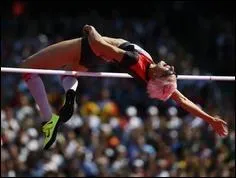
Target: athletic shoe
50 131
67 109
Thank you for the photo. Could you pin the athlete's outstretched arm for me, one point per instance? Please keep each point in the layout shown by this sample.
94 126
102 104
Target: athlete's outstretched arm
218 124
101 47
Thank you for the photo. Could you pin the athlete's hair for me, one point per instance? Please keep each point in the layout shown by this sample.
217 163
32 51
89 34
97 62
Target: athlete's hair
162 87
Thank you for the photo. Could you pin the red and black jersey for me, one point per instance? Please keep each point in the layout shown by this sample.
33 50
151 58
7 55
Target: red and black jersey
143 60
138 68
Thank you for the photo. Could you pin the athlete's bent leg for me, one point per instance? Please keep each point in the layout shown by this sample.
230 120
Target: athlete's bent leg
36 87
52 57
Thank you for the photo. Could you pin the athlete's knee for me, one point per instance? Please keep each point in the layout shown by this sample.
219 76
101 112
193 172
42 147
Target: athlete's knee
25 63
27 76
30 62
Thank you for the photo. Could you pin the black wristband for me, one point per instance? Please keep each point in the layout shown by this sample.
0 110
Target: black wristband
129 59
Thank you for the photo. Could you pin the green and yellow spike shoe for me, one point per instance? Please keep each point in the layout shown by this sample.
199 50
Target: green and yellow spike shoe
50 131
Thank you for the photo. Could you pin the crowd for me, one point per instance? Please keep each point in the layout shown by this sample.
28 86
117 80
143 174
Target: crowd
116 130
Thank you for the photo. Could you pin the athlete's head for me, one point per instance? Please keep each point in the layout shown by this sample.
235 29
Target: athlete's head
162 81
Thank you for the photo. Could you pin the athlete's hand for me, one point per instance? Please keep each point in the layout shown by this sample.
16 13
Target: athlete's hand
219 126
87 29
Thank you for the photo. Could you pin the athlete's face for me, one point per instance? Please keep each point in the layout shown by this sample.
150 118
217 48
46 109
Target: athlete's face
162 69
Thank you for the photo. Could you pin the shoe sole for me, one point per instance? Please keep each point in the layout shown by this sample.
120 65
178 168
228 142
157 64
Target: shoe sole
66 113
67 110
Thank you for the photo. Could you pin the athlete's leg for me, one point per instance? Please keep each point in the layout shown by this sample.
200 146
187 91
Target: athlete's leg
37 90
50 128
52 57
69 84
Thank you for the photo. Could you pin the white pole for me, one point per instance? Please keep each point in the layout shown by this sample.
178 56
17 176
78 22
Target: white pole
108 74
201 77
63 72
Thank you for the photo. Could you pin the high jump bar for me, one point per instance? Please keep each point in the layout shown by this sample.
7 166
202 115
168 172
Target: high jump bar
108 74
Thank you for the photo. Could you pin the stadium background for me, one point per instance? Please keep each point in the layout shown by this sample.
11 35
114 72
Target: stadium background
116 130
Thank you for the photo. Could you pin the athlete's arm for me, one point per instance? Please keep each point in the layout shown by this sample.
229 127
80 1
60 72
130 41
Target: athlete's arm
101 47
218 124
114 41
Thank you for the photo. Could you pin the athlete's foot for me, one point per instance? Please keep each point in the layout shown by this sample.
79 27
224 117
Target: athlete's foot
67 109
50 131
